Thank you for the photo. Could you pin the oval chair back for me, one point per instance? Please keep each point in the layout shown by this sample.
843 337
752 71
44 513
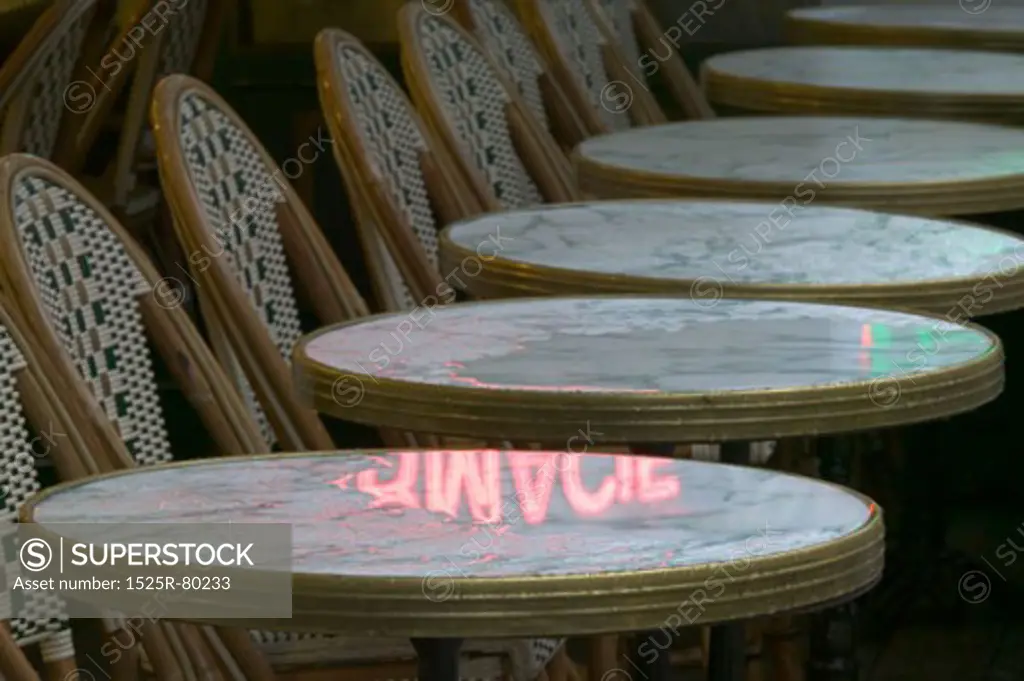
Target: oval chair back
643 43
496 27
252 248
394 167
608 92
466 100
37 92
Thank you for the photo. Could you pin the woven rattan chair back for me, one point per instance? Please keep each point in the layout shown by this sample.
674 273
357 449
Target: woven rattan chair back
599 79
389 161
253 246
619 15
651 50
174 39
32 426
464 97
36 80
499 31
496 27
99 310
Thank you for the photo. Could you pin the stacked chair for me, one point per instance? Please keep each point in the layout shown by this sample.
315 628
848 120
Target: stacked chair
643 42
498 30
506 158
84 291
126 180
186 43
34 81
35 424
604 86
401 180
38 77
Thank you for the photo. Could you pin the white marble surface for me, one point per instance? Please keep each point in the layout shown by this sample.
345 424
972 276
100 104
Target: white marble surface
991 19
651 345
744 243
790 149
483 513
894 69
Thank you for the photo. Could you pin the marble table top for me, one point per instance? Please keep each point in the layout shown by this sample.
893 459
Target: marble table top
625 351
988 18
754 243
404 514
406 525
935 164
879 69
660 345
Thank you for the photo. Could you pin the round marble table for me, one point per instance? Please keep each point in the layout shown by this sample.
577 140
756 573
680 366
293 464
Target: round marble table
646 369
907 166
971 24
911 82
711 249
442 545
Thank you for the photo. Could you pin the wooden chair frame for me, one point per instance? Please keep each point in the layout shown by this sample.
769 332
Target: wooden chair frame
77 138
322 282
42 410
194 369
538 151
643 109
77 135
680 82
566 125
27 57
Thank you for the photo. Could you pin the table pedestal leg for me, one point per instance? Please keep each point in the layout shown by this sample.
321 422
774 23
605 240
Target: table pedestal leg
659 666
727 654
653 449
737 453
438 658
728 649
833 632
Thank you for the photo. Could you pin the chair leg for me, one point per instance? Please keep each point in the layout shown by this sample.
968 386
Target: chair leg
127 666
604 657
62 670
13 664
783 650
561 667
251 660
58 653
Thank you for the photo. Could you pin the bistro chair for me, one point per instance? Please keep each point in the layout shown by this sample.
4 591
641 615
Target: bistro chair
643 43
36 80
184 40
254 248
598 78
496 27
463 96
90 303
397 173
35 425
387 155
213 166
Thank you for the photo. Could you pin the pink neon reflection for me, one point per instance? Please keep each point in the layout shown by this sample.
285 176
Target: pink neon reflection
475 475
